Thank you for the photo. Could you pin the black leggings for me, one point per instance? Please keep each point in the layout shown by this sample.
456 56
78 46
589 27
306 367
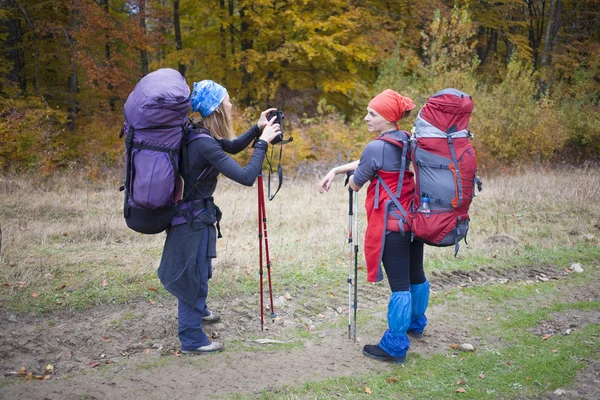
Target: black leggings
403 261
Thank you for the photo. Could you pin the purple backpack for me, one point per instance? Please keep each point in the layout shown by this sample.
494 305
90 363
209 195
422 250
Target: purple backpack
156 135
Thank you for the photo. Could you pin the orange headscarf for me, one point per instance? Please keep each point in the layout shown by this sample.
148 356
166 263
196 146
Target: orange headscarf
391 105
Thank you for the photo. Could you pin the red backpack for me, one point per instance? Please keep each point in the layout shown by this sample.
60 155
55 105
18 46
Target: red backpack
445 168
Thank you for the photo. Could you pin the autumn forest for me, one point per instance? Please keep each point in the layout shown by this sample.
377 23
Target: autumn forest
532 67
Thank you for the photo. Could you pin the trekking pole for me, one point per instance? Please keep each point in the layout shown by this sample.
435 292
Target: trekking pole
350 192
260 247
262 235
355 260
268 259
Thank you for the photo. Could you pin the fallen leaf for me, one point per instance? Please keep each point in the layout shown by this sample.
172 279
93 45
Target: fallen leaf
104 283
22 370
177 353
392 380
287 296
482 376
151 302
368 390
152 288
105 338
65 234
554 350
489 318
22 284
459 382
545 336
460 390
49 369
34 294
47 377
39 377
7 284
454 346
92 364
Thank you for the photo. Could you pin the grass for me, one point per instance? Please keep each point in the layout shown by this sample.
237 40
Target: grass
521 365
65 246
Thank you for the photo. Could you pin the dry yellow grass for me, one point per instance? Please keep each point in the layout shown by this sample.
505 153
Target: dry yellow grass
66 231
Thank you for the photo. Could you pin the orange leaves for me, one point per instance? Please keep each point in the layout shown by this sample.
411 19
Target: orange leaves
24 373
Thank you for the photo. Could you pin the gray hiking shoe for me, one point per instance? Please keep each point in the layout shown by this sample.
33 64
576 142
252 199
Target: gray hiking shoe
213 347
211 318
415 334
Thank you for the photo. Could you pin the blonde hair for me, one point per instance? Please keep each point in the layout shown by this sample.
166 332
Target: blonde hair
218 123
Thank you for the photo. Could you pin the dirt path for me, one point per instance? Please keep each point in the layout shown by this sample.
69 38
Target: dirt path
129 351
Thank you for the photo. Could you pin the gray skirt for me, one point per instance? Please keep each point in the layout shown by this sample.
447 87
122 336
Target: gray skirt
183 271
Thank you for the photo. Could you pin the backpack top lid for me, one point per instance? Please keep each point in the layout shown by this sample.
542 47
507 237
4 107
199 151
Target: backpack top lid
160 99
449 111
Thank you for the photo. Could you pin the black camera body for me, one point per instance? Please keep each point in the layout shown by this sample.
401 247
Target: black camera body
278 120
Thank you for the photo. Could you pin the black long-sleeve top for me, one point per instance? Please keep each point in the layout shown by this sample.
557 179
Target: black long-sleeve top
205 152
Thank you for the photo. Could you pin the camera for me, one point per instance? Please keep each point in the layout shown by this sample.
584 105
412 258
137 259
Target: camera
278 120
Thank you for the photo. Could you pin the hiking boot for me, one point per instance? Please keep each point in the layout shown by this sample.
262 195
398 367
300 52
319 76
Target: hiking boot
376 352
415 334
212 347
211 318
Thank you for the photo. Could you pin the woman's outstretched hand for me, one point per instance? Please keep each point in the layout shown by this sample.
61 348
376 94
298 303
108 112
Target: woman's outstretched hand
270 130
326 182
263 121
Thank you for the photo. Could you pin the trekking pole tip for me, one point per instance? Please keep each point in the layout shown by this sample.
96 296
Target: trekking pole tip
273 315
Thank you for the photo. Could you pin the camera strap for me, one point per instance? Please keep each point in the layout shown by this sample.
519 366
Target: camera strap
279 168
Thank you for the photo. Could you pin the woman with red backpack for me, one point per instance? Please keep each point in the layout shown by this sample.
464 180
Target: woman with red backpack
388 238
190 246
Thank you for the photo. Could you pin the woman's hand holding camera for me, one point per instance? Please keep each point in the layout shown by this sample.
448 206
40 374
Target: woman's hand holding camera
270 130
264 118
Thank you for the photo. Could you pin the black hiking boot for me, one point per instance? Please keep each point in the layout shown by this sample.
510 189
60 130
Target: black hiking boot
376 352
415 334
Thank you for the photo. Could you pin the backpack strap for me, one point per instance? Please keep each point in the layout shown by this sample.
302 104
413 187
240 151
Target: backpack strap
189 135
128 148
403 144
459 184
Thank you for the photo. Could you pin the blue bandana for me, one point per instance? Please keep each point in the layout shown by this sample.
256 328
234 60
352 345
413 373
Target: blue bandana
207 96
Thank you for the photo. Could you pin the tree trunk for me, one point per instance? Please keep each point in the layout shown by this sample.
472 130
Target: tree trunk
107 54
222 30
247 43
555 28
12 27
143 51
547 36
177 27
536 28
73 106
231 27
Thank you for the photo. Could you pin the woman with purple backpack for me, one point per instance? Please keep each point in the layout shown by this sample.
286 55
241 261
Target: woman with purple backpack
387 238
190 246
